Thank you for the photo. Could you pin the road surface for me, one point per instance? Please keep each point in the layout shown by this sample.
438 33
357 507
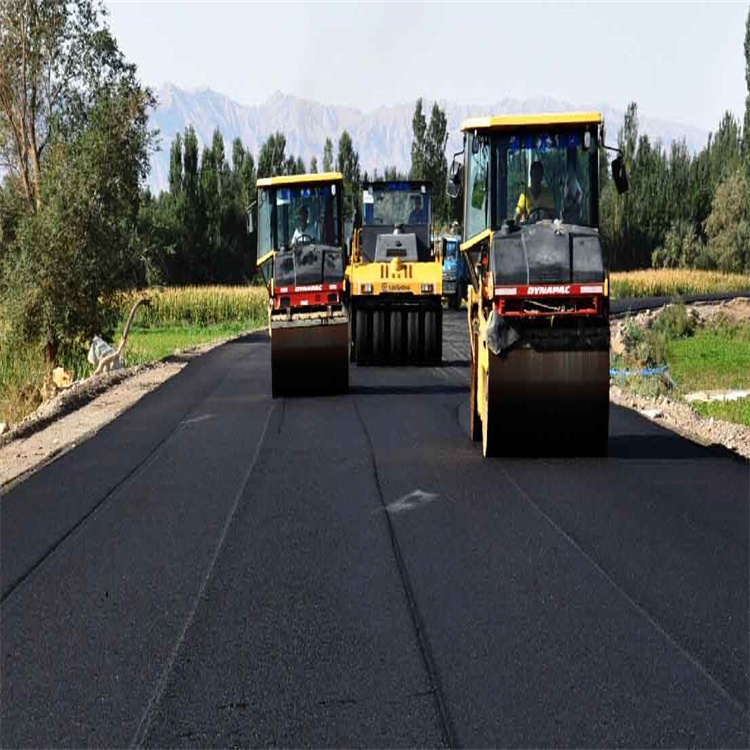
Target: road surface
217 568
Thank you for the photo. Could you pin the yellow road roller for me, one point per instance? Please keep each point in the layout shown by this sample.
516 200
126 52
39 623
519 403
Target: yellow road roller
394 277
301 254
538 303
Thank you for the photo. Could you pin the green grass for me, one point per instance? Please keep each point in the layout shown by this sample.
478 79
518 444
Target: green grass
22 373
730 411
714 356
711 359
21 376
154 343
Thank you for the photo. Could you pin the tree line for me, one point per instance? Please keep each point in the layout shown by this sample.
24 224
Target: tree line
77 229
682 210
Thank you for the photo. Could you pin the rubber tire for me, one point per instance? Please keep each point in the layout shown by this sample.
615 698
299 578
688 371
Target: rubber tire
475 421
439 347
397 338
431 336
412 336
362 343
379 343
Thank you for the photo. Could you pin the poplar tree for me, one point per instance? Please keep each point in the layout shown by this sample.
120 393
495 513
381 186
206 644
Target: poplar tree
347 163
418 146
328 156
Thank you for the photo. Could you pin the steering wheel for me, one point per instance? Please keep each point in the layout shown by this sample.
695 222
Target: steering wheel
539 213
303 239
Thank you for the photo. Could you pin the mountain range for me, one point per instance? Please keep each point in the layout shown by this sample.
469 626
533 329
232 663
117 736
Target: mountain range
382 137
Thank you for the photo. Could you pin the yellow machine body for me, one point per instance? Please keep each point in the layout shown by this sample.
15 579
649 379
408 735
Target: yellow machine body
538 302
394 280
301 253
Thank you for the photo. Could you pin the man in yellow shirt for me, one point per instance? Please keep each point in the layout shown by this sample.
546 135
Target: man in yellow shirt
536 198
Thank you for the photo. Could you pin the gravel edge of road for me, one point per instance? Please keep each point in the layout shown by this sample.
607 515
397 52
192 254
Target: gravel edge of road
681 419
85 392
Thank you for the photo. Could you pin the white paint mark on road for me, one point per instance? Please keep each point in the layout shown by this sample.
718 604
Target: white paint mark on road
199 418
411 501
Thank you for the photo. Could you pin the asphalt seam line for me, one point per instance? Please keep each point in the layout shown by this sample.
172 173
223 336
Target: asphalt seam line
634 604
158 693
448 730
120 484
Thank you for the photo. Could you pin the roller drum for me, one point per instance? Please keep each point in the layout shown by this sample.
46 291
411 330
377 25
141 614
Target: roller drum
306 359
547 403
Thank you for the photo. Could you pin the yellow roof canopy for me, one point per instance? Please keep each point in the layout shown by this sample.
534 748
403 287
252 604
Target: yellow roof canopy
514 122
300 179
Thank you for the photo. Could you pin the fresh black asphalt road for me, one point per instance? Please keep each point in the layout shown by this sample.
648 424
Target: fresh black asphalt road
216 568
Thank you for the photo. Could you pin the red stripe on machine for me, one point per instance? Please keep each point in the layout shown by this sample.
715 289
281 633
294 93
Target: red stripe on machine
308 288
549 290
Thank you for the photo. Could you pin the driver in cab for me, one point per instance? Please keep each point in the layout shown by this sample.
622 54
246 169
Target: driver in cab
304 231
536 198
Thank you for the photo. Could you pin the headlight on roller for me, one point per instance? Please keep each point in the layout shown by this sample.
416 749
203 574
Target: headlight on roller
428 288
366 288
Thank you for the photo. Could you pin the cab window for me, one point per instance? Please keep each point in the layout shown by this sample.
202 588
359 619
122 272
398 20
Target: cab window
477 183
264 223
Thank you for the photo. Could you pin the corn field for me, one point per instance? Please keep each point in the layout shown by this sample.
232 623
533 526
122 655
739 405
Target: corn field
200 305
668 282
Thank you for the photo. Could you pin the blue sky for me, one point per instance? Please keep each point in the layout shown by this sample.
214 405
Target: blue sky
680 60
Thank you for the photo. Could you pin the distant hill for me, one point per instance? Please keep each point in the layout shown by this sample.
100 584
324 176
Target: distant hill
382 137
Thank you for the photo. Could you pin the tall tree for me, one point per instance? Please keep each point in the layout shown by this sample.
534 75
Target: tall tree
272 159
175 165
74 136
347 162
314 165
728 226
746 128
435 164
55 58
190 162
328 156
418 145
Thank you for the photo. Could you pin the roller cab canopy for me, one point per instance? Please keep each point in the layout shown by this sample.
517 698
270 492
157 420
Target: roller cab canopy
300 218
531 192
396 205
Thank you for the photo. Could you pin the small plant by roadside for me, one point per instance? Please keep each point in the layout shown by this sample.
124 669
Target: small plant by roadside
711 353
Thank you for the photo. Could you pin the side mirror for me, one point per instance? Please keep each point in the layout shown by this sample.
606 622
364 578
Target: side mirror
249 214
619 175
455 178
